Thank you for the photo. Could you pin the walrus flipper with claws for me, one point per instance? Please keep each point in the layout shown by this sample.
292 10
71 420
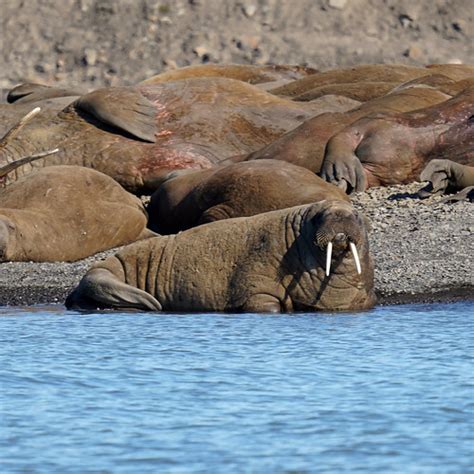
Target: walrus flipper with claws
305 258
393 148
446 176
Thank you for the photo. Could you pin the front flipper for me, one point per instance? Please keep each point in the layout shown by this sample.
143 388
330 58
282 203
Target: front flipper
444 176
122 107
262 303
100 288
342 167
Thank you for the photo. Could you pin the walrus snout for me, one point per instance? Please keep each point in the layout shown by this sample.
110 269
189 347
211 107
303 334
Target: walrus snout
339 229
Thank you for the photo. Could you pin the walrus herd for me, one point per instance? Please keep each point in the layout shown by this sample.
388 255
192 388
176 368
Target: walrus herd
249 170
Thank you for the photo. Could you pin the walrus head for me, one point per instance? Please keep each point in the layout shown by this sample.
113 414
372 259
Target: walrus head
339 230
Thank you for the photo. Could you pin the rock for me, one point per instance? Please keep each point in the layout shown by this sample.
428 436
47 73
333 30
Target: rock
338 4
413 52
90 57
249 10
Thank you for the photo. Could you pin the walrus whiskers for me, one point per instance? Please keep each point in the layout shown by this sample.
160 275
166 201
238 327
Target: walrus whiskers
356 257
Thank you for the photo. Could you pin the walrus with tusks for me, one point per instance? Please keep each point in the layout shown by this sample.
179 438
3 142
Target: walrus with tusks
305 258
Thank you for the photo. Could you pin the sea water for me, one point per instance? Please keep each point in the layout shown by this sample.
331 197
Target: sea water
388 390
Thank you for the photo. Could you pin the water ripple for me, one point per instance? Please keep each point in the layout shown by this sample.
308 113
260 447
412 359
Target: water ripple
389 390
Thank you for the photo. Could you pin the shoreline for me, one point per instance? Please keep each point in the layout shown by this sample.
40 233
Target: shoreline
422 251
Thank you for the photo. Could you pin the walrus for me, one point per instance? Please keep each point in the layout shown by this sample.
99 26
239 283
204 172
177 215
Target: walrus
305 145
360 91
395 73
191 198
139 134
296 259
393 148
446 176
65 213
253 74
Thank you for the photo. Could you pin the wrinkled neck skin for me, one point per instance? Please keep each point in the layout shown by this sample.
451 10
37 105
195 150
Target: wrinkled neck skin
304 269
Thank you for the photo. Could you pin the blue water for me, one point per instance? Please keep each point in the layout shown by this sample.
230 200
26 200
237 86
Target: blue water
390 390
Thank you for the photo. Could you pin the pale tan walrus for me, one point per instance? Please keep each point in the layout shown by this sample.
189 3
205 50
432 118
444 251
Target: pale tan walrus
65 213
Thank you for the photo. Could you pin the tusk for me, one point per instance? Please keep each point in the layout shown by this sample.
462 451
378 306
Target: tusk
16 128
4 170
356 257
328 258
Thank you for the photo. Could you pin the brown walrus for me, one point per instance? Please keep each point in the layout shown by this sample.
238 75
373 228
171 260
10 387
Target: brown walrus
305 145
65 213
191 198
139 134
252 74
394 148
395 73
446 176
296 259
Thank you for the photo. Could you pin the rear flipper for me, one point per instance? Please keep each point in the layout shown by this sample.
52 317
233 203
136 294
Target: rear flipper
32 92
100 289
122 107
445 176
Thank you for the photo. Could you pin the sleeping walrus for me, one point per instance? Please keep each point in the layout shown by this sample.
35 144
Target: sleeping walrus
296 259
191 198
393 148
65 213
138 134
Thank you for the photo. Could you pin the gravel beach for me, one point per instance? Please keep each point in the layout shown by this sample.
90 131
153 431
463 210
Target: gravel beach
422 251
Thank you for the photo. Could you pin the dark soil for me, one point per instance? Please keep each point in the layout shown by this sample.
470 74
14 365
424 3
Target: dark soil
112 42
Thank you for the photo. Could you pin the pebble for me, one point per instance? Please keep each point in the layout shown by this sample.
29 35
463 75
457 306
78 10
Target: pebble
338 4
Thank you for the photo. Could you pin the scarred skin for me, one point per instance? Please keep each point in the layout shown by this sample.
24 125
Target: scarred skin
139 134
65 213
272 262
236 190
305 145
394 148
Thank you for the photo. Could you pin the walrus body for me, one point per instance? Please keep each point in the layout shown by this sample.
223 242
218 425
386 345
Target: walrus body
374 73
65 213
252 74
394 148
266 263
139 134
305 145
236 190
